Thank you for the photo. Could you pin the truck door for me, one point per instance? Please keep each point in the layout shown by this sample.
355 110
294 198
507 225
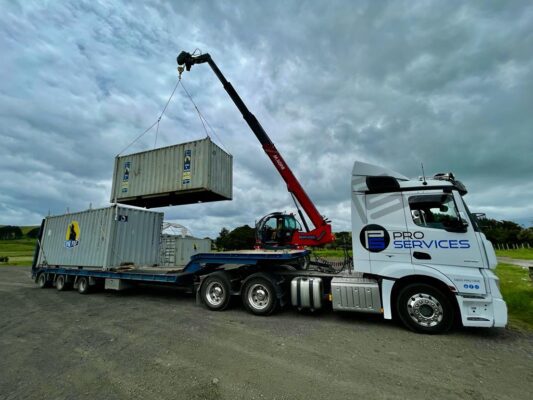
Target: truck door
436 233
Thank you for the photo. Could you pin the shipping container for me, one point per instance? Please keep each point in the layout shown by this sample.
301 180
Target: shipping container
178 250
186 173
102 238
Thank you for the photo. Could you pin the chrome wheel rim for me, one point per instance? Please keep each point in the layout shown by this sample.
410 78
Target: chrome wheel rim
215 294
258 296
60 282
425 310
83 285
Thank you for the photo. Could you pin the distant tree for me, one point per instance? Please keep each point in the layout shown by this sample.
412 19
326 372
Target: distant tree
240 238
10 232
526 235
34 233
343 239
503 231
220 241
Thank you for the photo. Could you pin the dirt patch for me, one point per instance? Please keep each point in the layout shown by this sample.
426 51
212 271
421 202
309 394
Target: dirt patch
157 344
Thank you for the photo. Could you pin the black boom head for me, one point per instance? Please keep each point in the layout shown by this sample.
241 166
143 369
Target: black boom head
185 58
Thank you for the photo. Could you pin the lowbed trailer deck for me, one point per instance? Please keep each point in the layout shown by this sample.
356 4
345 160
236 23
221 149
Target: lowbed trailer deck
200 266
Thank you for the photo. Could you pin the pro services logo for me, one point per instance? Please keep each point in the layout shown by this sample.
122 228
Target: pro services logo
374 238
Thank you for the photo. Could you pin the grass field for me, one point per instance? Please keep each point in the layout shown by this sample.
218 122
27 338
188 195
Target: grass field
20 251
524 254
330 253
517 290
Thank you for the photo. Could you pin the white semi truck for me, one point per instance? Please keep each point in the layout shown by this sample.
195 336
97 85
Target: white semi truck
419 255
424 249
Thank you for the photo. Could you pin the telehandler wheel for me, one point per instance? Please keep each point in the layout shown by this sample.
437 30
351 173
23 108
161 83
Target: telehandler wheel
259 296
425 309
61 283
42 281
83 285
216 291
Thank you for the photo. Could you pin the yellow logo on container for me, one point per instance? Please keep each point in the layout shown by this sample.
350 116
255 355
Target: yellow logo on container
72 238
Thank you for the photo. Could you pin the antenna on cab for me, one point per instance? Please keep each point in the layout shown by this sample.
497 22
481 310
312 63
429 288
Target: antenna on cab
423 175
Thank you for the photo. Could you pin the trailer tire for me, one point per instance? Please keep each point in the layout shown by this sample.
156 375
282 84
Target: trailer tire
216 291
425 309
61 282
83 285
42 281
259 296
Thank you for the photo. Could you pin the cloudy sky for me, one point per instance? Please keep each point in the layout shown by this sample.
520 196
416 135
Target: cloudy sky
446 83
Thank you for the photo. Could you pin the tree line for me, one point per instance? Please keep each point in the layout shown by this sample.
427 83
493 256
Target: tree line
501 232
10 232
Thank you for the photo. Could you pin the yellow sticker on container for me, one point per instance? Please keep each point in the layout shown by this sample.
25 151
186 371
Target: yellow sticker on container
72 238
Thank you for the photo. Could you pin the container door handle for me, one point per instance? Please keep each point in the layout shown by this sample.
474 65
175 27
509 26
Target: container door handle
420 255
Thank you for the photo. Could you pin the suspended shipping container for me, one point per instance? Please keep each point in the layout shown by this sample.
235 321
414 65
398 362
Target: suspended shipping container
102 238
178 250
186 173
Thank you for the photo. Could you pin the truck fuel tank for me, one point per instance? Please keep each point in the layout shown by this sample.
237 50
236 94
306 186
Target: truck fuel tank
306 292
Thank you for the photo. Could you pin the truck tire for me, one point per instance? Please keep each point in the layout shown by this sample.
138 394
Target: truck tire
425 309
259 296
216 291
42 281
83 285
61 282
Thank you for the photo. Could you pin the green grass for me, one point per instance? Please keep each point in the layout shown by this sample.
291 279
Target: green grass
330 253
517 291
524 254
20 251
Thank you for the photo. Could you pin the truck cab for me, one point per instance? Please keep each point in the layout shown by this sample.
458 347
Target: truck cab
420 241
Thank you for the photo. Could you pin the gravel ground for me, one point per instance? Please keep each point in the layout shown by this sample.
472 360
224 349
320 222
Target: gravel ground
157 344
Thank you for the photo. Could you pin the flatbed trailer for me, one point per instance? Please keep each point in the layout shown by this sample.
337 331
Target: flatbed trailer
260 276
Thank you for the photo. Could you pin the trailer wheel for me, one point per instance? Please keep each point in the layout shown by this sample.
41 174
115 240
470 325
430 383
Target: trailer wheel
42 281
83 285
61 282
216 291
425 309
259 296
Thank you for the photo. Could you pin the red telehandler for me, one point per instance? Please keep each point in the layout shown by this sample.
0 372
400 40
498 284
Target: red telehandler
275 230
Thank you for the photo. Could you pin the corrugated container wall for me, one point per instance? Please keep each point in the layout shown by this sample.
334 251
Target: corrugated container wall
102 238
178 250
186 173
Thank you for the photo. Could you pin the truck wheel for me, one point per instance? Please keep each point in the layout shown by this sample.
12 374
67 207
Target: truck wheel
259 296
425 309
215 291
83 285
42 282
61 282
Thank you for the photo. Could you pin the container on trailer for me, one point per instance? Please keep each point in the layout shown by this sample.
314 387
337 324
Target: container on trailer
178 250
186 173
102 238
